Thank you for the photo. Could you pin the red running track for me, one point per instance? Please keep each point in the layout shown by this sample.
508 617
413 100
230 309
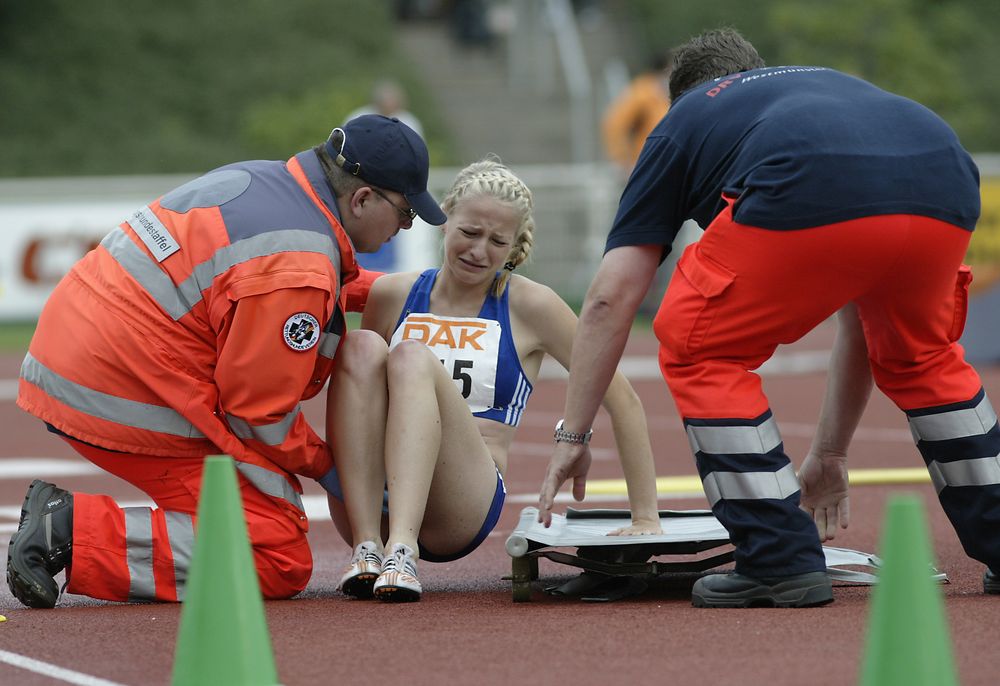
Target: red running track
467 630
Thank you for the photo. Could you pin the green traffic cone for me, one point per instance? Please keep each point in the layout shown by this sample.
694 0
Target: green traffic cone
222 638
908 640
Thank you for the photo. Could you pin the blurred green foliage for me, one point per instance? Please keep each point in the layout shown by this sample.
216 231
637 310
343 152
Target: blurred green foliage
95 87
15 336
938 52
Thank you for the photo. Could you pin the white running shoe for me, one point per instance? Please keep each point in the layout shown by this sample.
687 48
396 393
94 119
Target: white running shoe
398 580
361 573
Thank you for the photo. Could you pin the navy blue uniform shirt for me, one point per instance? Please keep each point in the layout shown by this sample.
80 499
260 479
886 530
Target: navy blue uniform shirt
798 147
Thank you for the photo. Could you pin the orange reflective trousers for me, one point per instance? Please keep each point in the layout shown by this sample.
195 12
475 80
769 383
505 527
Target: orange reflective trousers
143 553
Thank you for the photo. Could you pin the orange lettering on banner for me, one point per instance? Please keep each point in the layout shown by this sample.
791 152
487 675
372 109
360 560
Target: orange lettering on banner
46 259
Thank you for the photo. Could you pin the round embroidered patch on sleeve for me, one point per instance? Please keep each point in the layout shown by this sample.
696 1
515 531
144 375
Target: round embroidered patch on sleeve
301 331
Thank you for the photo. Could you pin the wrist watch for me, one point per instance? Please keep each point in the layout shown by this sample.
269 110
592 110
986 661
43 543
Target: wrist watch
563 436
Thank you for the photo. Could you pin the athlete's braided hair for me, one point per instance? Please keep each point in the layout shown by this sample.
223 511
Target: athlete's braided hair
491 178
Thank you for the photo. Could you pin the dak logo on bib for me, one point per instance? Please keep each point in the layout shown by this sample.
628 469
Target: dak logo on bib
468 347
301 331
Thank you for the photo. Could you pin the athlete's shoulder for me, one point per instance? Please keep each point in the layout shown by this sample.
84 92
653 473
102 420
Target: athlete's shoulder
386 300
532 300
390 291
395 283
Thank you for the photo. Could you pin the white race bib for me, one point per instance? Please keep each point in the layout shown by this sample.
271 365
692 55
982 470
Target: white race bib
468 348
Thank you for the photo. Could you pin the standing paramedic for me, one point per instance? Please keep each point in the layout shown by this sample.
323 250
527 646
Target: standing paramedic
197 327
821 194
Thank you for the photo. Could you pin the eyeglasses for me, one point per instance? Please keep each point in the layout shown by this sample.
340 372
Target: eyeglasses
407 213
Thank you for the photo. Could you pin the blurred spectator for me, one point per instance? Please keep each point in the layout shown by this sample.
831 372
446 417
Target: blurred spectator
633 114
389 99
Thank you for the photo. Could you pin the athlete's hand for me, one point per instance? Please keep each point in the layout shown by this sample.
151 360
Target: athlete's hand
639 527
568 461
823 480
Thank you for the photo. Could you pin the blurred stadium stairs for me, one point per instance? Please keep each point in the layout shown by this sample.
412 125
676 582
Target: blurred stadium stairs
509 93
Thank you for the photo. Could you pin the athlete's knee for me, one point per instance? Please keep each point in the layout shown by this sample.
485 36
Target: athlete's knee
362 352
411 359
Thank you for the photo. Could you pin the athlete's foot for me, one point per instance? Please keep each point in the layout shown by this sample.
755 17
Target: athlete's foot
364 568
398 580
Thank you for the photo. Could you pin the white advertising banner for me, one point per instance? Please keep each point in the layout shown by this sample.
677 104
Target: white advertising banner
38 245
46 225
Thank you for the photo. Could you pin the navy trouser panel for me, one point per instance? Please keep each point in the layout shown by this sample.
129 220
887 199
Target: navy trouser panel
960 444
754 492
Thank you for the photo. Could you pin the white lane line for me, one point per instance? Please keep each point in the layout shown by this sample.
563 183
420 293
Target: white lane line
43 467
636 367
643 367
8 389
53 671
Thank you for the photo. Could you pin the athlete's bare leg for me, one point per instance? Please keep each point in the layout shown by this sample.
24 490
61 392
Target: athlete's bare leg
441 475
356 420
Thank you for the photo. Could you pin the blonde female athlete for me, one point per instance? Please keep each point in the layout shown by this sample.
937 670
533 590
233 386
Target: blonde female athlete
429 392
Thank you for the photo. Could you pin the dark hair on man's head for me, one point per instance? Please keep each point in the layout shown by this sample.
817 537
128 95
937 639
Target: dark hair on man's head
711 55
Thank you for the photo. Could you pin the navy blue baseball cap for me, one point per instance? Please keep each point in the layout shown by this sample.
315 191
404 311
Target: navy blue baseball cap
387 153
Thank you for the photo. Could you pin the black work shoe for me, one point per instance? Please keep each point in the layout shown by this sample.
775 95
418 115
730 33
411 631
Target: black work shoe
736 590
42 546
991 582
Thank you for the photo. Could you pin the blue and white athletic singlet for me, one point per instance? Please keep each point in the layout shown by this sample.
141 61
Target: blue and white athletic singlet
478 352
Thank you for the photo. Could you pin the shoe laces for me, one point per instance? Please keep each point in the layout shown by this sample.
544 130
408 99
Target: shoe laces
400 560
367 552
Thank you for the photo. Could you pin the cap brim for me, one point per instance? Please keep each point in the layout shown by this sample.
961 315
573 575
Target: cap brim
427 208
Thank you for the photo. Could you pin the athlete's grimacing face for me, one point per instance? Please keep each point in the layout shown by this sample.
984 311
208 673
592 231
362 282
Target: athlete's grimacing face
478 236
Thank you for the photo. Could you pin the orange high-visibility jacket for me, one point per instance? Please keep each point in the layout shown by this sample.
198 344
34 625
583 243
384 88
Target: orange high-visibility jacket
199 324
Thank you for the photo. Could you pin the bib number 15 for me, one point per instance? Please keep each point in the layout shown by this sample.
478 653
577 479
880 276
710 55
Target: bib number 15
459 373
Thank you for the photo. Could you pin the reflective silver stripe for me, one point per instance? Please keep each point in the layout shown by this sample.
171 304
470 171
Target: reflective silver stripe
729 440
270 483
148 273
946 426
328 344
983 471
139 553
268 434
178 300
180 531
751 485
112 408
261 245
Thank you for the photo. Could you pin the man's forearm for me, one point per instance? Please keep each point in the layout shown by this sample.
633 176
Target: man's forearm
848 388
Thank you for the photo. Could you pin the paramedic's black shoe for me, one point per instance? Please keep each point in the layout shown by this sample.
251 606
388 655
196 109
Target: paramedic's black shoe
991 582
737 590
42 546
